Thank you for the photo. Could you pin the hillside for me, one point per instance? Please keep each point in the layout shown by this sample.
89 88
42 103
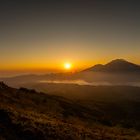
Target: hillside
27 114
117 104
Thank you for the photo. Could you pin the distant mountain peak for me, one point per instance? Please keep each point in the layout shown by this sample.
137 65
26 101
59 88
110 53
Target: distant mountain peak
117 65
118 61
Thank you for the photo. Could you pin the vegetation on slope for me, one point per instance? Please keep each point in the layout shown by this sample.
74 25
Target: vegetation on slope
26 115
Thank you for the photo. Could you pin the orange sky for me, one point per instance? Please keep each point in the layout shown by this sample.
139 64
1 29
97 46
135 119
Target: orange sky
42 36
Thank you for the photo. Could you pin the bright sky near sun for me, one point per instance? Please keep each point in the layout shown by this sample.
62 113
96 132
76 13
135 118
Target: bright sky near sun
68 66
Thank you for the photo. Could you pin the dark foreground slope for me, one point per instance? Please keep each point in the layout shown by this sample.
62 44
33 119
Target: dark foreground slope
117 104
29 115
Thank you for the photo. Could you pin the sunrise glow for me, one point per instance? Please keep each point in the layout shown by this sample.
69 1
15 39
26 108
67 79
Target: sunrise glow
67 66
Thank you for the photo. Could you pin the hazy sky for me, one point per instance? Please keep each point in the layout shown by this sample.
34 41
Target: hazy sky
39 35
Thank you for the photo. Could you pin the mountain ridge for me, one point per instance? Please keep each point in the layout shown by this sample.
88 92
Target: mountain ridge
117 65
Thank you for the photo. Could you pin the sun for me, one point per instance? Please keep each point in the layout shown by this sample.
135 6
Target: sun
67 66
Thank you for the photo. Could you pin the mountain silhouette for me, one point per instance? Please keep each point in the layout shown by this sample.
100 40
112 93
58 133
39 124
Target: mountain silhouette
117 71
117 65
